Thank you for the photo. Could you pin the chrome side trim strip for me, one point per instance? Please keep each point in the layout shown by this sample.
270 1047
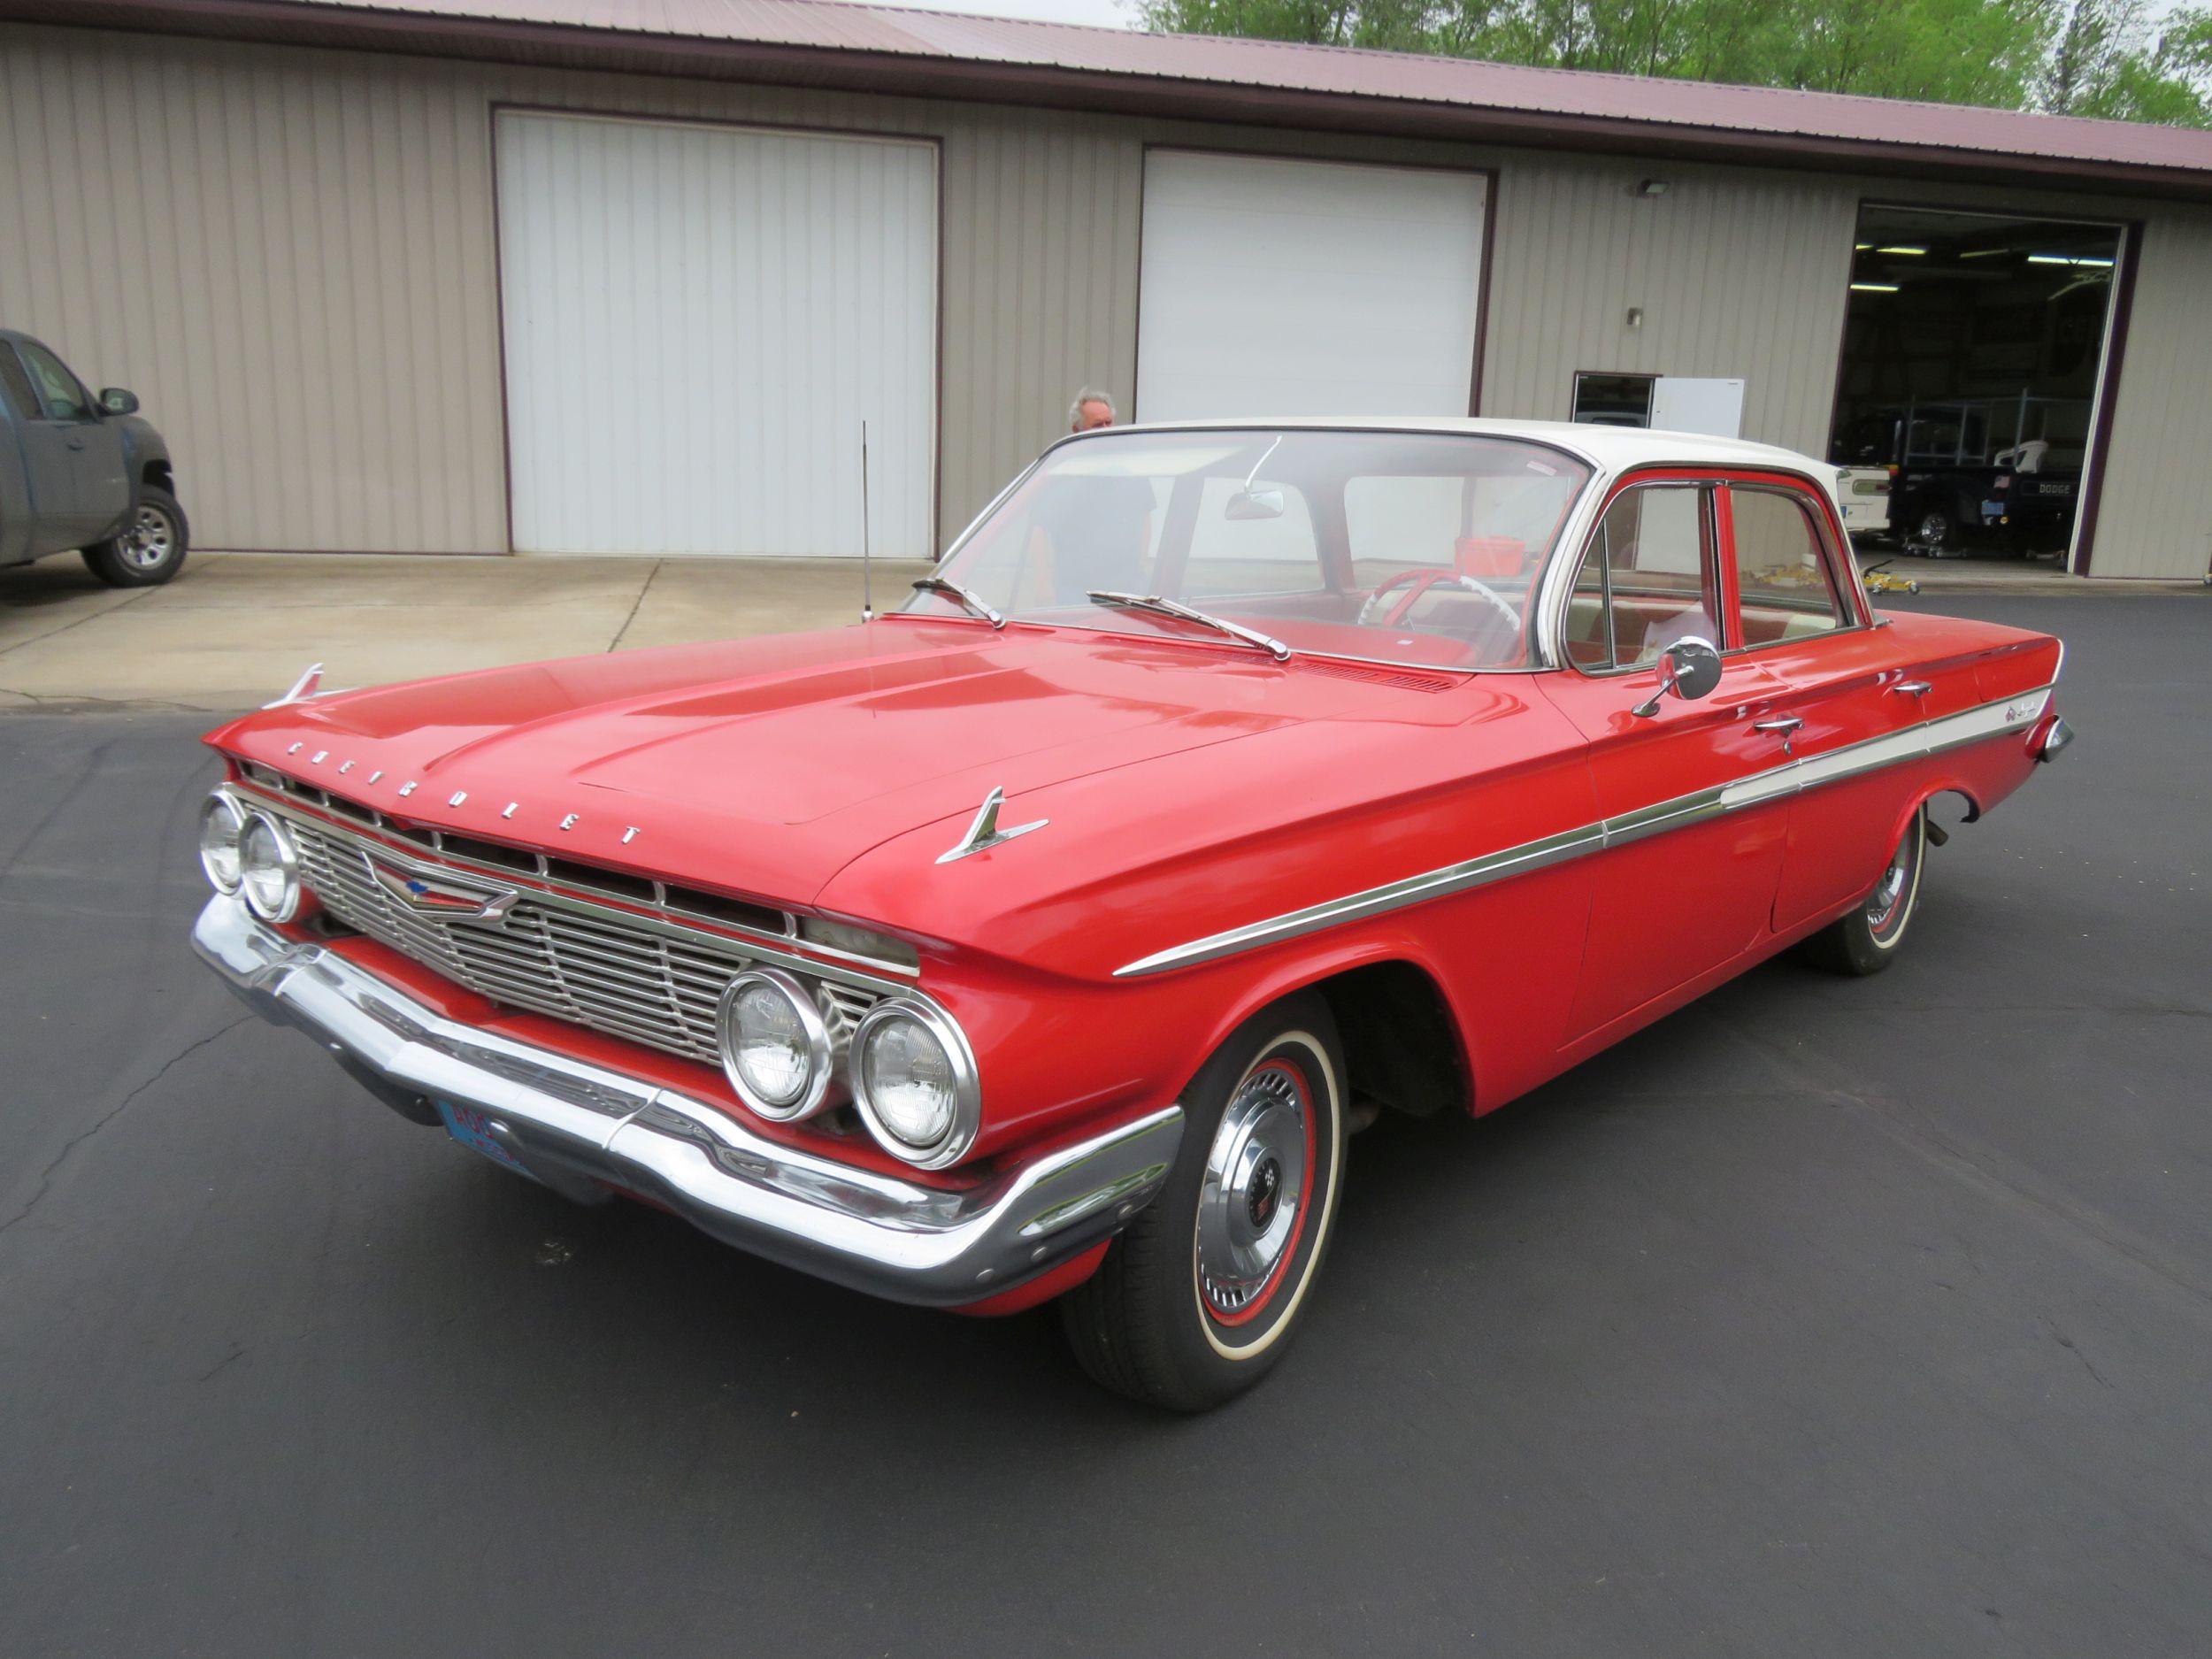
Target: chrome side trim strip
1807 771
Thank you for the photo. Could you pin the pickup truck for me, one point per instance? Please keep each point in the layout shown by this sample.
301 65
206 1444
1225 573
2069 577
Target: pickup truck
84 472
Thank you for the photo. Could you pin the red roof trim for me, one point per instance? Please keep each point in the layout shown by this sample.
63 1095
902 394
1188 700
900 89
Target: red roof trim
823 43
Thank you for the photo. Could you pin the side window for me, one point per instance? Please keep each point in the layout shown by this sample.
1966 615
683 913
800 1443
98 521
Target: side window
1781 578
15 385
1268 555
1647 579
58 388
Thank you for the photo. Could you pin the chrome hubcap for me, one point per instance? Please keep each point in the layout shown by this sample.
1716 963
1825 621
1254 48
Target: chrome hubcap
1883 906
146 544
1248 1205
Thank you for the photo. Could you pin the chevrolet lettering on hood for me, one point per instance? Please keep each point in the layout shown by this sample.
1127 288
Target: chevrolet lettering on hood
1048 938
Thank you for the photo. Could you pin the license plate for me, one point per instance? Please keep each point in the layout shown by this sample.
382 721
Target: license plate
474 1129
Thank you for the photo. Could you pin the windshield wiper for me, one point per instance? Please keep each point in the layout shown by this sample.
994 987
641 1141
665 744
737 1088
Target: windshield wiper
1274 648
973 601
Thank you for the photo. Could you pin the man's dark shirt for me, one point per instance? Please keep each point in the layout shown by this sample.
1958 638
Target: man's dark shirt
1096 527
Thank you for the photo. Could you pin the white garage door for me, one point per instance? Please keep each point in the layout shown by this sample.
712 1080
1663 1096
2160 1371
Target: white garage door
698 319
1301 287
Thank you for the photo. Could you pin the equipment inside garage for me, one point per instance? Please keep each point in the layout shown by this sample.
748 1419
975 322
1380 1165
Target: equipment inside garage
1973 360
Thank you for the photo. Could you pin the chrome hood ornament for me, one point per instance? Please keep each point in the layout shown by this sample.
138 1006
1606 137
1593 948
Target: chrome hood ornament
308 685
984 832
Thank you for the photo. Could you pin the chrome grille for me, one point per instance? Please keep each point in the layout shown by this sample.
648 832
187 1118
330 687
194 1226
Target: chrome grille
599 970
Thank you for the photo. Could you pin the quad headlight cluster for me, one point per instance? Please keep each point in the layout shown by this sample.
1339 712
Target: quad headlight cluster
911 1075
912 1078
247 852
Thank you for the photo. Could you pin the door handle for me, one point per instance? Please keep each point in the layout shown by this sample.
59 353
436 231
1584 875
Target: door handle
1786 724
75 443
1913 688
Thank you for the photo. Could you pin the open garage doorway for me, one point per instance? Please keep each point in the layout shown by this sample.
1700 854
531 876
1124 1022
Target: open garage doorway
1976 354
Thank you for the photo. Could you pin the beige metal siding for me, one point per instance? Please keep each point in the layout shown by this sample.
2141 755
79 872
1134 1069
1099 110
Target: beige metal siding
2152 519
310 313
289 255
1737 274
269 253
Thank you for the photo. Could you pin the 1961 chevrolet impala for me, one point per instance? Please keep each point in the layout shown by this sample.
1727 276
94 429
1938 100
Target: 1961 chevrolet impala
1049 937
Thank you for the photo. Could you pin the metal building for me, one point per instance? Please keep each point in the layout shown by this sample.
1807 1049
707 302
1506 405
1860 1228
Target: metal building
490 276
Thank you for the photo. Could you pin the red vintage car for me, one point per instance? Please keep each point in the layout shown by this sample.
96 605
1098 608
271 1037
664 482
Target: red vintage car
1050 936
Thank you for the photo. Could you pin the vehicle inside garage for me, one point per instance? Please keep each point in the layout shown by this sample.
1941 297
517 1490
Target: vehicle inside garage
1974 356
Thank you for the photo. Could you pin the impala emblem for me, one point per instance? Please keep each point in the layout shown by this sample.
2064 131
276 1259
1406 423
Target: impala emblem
436 898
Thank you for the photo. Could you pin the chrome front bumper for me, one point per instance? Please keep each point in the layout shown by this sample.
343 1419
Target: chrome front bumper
581 1129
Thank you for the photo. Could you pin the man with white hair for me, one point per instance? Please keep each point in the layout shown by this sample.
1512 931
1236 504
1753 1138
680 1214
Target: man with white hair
1091 410
1089 530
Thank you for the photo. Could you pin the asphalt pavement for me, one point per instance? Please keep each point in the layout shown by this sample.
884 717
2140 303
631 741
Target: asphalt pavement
1825 1317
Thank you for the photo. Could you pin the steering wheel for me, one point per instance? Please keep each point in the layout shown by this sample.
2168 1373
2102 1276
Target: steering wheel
1421 582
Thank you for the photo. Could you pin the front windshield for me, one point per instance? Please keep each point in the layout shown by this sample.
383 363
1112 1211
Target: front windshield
1416 548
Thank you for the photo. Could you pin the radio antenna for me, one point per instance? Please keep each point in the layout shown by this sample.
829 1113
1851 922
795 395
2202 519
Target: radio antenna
867 593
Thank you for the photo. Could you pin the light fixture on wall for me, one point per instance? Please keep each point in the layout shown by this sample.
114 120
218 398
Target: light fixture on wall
1651 187
1635 316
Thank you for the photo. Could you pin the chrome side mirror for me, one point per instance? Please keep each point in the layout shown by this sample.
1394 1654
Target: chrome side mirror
1690 670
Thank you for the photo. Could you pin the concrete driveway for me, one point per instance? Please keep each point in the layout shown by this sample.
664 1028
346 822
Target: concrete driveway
235 629
1825 1317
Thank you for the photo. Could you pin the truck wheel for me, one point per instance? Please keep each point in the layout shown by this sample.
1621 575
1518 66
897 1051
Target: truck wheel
1934 529
1865 941
147 553
1199 1297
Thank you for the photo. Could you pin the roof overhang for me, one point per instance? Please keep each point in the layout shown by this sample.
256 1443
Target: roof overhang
522 41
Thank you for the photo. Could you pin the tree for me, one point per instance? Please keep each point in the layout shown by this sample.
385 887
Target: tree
2106 60
2071 57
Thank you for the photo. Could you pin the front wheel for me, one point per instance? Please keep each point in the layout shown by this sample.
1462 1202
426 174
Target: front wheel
151 549
1865 941
1198 1298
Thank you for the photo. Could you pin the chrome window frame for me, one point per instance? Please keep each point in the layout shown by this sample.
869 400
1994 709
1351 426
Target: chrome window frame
1709 525
1852 611
1559 573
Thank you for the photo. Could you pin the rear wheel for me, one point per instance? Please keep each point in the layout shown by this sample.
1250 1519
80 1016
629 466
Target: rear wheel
1934 529
1865 941
1199 1297
151 549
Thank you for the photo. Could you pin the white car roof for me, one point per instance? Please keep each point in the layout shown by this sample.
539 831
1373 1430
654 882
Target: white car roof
1608 448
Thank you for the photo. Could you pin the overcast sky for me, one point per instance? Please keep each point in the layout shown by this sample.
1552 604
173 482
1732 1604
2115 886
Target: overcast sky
1113 14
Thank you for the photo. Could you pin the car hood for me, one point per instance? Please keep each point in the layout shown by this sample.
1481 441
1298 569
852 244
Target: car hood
765 766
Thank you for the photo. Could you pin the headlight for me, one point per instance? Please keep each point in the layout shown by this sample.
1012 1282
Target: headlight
775 1049
269 868
915 1083
221 824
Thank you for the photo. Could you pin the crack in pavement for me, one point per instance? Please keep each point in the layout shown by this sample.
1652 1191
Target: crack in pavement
46 1175
637 604
67 628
